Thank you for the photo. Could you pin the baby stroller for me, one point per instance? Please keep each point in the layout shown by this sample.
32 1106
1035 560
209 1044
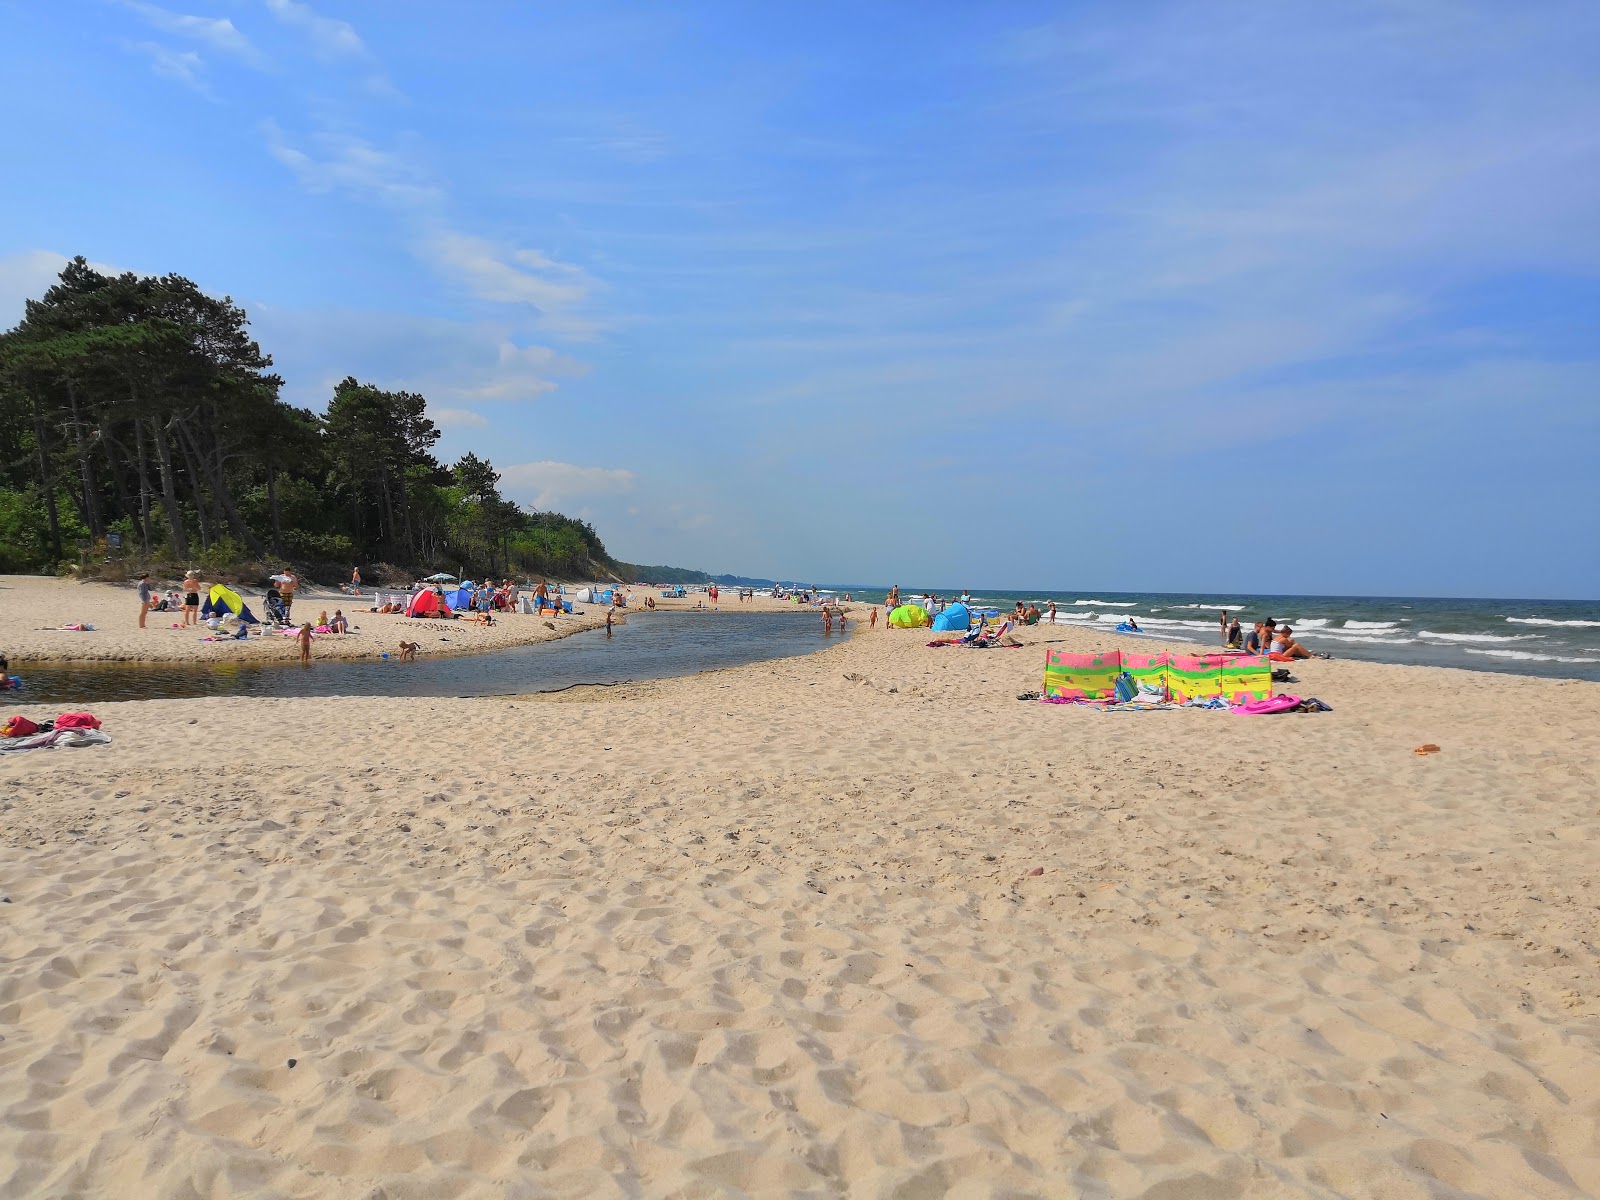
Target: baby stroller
277 614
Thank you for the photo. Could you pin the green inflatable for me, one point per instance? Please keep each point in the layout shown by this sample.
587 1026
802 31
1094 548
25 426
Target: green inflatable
910 616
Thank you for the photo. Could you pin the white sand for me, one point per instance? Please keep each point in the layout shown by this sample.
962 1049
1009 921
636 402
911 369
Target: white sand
773 931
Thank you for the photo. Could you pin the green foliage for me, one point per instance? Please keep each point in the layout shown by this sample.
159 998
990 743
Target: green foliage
140 406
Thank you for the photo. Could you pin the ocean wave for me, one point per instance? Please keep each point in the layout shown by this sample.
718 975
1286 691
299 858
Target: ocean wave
1217 607
1527 656
1375 638
1548 621
1306 623
1102 603
1370 624
1478 637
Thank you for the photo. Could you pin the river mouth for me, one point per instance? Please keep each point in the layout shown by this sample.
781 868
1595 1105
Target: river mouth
662 646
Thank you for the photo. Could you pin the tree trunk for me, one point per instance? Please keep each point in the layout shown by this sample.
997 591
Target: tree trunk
143 461
116 456
169 492
47 482
272 504
219 492
192 471
91 491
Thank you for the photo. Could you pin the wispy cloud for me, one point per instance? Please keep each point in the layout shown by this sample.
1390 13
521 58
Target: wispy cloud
457 418
218 33
180 66
330 37
545 484
352 165
512 276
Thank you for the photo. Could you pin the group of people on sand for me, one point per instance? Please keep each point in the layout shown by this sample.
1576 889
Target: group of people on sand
280 597
1268 637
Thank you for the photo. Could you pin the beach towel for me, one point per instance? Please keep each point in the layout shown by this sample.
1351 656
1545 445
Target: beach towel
55 738
77 720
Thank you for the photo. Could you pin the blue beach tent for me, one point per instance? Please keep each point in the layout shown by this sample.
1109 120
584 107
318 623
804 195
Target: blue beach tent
955 616
461 598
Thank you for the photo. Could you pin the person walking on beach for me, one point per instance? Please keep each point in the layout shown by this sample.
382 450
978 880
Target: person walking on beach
145 602
305 644
872 620
1052 607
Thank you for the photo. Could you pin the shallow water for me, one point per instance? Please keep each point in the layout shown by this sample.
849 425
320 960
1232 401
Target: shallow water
648 647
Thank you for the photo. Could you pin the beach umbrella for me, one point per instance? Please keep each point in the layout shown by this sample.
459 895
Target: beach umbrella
441 577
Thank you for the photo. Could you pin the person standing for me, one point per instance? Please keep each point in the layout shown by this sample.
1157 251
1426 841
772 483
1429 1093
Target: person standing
1222 624
191 599
355 579
1052 606
305 644
145 602
286 589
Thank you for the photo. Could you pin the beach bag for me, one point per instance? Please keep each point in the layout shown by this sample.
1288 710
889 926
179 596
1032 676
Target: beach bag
18 727
1126 688
77 721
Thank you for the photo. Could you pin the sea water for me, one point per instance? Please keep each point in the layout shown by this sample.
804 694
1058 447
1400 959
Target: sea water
1528 637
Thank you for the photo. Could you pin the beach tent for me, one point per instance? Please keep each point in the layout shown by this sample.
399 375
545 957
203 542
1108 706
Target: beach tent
910 616
461 598
955 616
225 602
584 596
424 604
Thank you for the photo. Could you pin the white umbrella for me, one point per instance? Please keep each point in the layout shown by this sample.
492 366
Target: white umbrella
440 577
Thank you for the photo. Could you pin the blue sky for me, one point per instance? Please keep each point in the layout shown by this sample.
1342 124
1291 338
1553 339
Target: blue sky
1209 297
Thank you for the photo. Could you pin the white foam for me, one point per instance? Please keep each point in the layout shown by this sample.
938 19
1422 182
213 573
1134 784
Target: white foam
1306 623
1101 603
1547 621
1370 624
1525 656
1478 637
1374 638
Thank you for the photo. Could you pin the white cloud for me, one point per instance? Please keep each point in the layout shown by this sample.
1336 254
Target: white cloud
217 32
459 364
457 418
352 165
27 276
545 484
330 38
508 277
181 66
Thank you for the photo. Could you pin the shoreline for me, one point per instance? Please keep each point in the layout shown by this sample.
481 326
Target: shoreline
26 601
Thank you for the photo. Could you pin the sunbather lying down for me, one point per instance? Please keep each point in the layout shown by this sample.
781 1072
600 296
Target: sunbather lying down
479 618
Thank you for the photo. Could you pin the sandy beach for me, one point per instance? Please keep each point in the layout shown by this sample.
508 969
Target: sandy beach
859 923
33 610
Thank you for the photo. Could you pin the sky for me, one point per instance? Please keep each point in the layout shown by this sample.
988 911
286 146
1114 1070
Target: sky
1289 298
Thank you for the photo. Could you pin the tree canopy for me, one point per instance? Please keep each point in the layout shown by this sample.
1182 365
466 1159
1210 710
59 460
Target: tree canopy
138 409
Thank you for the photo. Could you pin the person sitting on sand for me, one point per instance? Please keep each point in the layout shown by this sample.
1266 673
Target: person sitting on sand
1256 641
304 638
1285 648
1031 617
408 651
1233 638
322 618
339 624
